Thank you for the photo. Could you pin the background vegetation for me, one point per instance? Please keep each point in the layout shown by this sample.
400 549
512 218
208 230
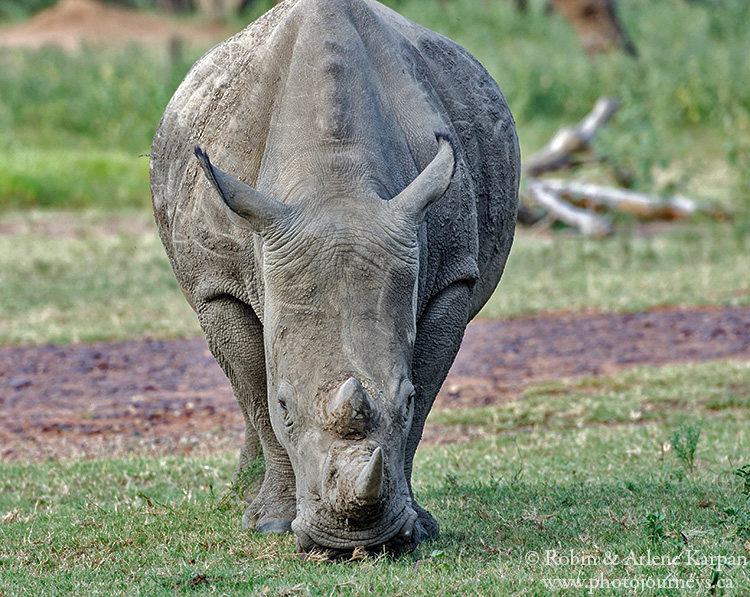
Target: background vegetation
67 121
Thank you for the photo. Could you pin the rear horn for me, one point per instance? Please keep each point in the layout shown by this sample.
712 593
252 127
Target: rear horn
352 409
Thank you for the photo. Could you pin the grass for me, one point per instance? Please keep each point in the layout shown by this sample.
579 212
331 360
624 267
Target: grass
678 266
85 276
45 177
76 278
640 395
564 497
72 127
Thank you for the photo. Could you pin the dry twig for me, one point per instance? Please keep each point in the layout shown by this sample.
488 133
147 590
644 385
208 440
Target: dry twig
566 200
588 222
639 204
567 141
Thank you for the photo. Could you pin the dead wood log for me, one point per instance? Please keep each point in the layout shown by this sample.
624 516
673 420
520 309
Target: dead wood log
576 203
639 204
587 222
567 141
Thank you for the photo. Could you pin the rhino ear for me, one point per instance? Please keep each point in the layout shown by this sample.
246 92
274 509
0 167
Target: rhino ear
432 182
248 208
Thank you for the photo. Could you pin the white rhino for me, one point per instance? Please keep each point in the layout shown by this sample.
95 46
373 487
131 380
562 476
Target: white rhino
367 217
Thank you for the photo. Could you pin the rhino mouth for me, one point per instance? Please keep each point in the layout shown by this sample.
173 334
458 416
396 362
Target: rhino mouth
395 534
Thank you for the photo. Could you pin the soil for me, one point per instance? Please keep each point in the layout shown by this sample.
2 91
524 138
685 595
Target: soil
170 397
69 24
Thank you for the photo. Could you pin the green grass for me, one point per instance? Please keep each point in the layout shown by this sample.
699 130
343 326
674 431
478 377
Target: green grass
640 395
84 276
72 126
592 496
49 177
679 266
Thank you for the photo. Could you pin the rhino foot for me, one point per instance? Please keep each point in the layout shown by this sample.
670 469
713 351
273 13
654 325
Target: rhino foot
273 526
271 516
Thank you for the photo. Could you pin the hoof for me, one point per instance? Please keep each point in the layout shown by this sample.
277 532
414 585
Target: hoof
277 526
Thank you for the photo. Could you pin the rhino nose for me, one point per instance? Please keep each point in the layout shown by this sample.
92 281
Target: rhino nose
352 410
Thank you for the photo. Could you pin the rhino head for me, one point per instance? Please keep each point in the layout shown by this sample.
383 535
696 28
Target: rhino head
339 317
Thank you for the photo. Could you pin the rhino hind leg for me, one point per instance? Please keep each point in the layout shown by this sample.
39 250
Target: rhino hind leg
439 334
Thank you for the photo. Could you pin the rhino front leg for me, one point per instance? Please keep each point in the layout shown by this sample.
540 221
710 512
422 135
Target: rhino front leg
274 507
235 336
250 454
439 334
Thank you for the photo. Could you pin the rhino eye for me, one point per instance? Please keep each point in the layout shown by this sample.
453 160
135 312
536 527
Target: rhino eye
285 398
286 415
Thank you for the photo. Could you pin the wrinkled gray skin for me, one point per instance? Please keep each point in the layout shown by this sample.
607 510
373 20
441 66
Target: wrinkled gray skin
379 167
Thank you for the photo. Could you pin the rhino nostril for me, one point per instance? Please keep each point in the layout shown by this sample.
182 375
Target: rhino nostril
303 541
408 529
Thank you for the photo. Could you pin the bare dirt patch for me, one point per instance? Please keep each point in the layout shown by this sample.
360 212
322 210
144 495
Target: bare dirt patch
170 397
72 23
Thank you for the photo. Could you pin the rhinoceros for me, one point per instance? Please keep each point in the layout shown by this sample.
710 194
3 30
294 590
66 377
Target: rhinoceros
336 189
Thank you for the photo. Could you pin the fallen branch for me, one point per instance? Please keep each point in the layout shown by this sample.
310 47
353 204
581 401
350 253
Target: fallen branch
587 222
563 200
558 153
639 204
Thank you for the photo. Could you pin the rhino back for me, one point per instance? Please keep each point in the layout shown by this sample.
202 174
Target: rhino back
280 96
